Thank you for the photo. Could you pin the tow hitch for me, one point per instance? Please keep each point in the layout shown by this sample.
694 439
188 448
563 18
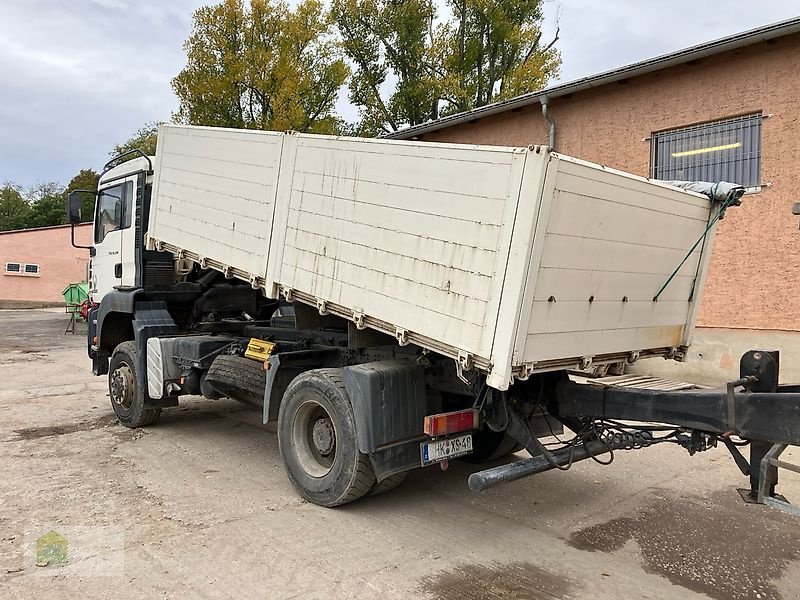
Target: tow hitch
753 410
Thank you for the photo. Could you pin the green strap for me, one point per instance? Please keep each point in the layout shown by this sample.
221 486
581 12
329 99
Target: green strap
728 201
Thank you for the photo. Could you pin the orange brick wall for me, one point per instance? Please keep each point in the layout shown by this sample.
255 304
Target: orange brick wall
50 248
754 279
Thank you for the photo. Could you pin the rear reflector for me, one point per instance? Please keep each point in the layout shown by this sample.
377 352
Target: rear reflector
452 422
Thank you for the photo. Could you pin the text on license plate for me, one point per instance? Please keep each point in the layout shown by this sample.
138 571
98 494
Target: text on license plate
433 452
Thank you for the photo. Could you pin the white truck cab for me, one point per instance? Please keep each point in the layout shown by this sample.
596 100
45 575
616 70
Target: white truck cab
119 195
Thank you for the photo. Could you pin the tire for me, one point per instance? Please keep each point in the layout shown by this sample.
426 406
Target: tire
491 445
387 484
318 442
238 378
127 398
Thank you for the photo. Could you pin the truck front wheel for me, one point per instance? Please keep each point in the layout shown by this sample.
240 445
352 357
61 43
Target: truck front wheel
318 443
127 398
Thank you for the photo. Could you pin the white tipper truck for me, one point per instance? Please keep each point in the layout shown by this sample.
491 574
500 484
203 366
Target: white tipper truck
397 304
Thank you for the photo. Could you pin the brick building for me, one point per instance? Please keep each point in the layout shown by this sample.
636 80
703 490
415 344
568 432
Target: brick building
39 263
726 109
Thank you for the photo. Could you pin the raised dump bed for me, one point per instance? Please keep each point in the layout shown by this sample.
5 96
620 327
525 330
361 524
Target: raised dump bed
509 260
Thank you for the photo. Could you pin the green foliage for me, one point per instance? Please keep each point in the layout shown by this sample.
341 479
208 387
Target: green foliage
44 204
86 179
487 51
47 202
383 37
492 52
14 209
144 139
261 67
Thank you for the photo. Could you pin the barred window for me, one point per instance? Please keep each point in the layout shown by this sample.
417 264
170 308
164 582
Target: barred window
728 150
31 269
13 268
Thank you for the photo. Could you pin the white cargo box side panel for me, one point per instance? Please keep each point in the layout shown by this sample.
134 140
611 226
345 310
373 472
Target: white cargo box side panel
414 235
606 243
214 194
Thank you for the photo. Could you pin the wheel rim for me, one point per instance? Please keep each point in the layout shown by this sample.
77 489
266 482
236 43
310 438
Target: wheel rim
314 438
121 386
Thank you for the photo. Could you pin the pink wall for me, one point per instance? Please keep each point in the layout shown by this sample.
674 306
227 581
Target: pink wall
50 248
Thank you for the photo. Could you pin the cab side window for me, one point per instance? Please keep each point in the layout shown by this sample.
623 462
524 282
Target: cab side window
113 210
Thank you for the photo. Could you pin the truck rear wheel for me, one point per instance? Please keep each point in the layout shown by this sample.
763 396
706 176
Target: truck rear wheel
318 443
127 398
387 484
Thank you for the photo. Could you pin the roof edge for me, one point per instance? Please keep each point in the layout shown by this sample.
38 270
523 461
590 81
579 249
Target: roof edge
34 229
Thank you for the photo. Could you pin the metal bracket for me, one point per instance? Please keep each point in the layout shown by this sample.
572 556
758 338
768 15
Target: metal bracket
401 335
525 372
463 364
203 262
226 271
585 362
730 396
288 293
358 319
633 357
322 307
254 282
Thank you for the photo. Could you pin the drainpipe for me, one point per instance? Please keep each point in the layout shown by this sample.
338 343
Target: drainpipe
544 100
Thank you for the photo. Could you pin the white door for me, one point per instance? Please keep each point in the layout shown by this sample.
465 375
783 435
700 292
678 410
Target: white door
112 217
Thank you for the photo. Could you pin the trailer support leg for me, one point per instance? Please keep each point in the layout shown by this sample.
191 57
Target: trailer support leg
763 475
769 477
765 462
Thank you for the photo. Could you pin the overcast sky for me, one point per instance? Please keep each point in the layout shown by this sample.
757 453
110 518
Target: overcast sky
79 76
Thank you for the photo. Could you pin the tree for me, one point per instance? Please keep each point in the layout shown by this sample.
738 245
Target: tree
47 206
493 52
262 67
383 37
14 210
86 179
144 139
487 50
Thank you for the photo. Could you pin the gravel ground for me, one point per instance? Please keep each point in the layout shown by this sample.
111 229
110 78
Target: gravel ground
199 506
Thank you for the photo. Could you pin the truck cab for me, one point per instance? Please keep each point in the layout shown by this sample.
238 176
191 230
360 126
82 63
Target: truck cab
119 219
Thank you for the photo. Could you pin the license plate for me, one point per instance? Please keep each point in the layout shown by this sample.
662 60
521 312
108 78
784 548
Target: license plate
434 452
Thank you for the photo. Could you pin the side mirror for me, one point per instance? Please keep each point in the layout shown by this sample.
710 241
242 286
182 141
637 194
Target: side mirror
74 202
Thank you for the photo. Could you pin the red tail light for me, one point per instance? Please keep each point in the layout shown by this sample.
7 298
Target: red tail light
452 422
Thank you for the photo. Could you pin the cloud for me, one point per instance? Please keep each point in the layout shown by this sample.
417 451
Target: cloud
599 36
79 76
